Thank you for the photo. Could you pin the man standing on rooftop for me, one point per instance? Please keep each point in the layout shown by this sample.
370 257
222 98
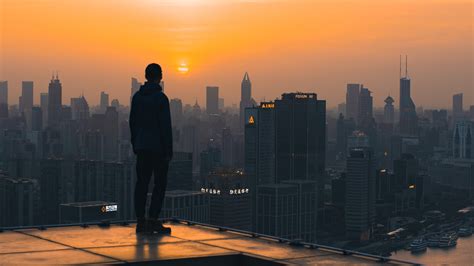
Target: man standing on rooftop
152 141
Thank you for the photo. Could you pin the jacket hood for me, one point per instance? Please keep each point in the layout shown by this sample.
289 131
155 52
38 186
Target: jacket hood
149 88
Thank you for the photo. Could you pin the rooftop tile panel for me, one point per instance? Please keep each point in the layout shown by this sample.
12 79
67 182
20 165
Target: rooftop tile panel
187 245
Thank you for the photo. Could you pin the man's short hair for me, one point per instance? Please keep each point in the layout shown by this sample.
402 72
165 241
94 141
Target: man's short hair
153 72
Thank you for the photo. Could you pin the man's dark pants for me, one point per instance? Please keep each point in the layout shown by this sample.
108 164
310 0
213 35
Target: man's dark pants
149 163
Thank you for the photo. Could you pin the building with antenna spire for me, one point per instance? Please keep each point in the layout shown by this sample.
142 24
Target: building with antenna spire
54 100
408 119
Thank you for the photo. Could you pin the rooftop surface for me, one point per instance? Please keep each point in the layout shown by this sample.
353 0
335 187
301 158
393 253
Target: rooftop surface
187 245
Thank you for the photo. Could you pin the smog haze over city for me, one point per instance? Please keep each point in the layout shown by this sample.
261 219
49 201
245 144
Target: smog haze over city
302 45
236 132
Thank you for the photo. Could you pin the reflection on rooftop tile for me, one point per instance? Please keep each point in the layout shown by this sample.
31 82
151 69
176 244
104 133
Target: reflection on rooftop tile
269 249
166 251
69 256
200 233
95 236
12 242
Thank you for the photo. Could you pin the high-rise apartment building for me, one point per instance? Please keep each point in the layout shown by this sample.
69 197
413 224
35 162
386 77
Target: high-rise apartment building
360 193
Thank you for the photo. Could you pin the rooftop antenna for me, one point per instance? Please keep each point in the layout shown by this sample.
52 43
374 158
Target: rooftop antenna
406 66
400 66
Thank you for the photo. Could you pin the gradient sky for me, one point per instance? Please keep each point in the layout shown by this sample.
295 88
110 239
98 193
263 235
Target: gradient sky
287 45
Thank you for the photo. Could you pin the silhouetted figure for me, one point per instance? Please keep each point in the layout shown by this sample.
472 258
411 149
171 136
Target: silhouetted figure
152 141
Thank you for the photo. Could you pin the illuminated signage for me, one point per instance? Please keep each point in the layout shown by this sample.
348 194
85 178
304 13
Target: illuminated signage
109 208
411 186
268 105
304 96
211 191
236 191
251 120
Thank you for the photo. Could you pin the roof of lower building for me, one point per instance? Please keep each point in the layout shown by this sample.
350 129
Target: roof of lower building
187 245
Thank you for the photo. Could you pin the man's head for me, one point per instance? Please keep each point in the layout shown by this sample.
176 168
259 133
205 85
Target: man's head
153 73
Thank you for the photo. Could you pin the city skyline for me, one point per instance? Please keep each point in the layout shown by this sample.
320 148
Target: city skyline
323 61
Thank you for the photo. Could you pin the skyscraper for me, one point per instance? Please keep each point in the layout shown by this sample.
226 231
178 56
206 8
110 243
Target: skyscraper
352 101
176 109
360 193
389 111
4 92
285 143
408 118
104 101
54 101
44 97
135 86
212 100
300 134
365 114
26 99
3 99
245 96
36 118
79 108
457 106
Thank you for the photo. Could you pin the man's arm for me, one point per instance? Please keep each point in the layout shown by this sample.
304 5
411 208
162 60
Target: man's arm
132 121
166 128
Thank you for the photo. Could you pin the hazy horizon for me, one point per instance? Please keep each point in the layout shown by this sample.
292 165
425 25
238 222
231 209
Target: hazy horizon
313 46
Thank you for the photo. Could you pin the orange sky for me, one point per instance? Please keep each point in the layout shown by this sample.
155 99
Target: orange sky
285 45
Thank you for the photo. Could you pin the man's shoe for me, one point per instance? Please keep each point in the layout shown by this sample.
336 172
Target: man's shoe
142 226
157 226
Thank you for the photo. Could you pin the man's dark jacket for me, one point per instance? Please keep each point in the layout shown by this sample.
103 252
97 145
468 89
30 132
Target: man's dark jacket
150 121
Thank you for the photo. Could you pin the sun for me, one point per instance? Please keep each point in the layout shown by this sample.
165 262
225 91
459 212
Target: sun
183 68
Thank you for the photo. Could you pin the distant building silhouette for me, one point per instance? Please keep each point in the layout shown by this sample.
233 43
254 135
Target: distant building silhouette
245 96
176 109
352 101
212 100
135 86
408 118
104 101
3 99
26 98
463 140
389 111
79 108
36 119
365 110
458 111
44 98
54 101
